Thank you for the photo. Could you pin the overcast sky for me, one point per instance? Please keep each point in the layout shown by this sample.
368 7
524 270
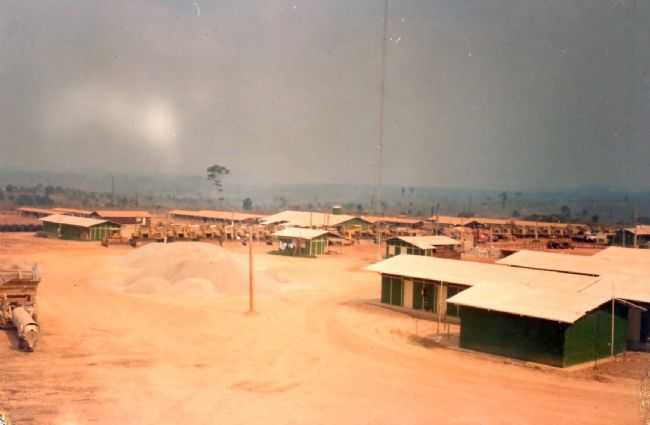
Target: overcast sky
512 94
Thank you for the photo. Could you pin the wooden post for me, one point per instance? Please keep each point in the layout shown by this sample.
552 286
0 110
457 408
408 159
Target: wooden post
438 309
251 281
612 343
379 241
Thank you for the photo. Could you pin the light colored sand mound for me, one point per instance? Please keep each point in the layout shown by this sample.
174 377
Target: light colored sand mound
180 269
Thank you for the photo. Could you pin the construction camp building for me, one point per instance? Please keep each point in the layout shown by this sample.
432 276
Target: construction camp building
632 237
554 310
114 216
72 211
341 223
504 228
212 216
34 212
431 246
301 242
77 228
123 216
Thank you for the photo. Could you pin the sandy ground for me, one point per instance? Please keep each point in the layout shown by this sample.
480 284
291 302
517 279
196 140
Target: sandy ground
315 353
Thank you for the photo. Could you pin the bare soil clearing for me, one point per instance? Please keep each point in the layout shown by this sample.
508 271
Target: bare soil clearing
313 353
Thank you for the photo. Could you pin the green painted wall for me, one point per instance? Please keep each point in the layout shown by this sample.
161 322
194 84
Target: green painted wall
407 248
310 248
355 222
99 232
317 246
50 228
95 233
543 341
590 337
392 290
424 295
73 233
512 336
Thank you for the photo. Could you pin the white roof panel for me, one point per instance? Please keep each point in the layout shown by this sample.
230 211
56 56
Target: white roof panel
72 220
300 233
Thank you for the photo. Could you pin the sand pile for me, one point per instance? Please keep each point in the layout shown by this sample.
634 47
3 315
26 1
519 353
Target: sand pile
181 269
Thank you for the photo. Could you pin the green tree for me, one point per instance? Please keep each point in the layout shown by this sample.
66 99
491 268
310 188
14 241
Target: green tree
247 205
504 199
566 211
216 174
516 213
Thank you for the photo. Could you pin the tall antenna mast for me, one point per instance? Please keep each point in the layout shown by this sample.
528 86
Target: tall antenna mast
382 92
380 146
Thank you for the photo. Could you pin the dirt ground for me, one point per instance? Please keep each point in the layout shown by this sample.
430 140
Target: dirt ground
314 353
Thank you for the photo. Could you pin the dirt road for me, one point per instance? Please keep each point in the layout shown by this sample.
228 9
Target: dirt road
313 354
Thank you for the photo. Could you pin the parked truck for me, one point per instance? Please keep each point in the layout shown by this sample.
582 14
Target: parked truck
18 304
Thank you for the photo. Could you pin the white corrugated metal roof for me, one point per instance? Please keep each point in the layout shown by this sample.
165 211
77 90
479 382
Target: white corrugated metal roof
552 261
122 213
428 242
392 219
219 215
72 211
623 272
633 257
543 303
612 260
308 219
639 230
529 292
300 233
72 220
35 210
471 273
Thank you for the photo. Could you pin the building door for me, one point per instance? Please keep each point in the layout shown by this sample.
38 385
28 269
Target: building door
417 294
429 298
392 290
424 296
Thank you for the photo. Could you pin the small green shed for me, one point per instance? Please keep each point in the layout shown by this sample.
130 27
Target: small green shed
536 326
77 228
301 242
430 246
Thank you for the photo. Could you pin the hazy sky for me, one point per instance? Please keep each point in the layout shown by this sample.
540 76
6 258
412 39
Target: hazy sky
505 94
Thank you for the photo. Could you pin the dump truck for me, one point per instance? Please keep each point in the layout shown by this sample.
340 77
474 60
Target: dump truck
18 304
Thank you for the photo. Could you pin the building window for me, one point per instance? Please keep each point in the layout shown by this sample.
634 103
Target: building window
414 251
424 295
392 290
452 309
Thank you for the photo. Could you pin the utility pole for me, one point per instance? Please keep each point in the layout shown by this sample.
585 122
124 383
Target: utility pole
636 218
251 280
612 343
380 146
611 348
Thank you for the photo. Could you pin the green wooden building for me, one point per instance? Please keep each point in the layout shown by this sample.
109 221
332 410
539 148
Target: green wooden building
431 246
548 317
544 341
77 228
633 237
301 242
